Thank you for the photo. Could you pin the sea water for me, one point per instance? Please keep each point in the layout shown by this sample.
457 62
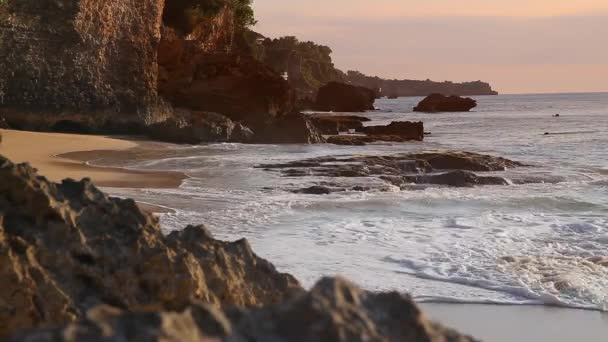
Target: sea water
515 244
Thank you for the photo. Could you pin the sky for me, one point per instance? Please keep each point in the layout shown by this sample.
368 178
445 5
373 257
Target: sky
519 46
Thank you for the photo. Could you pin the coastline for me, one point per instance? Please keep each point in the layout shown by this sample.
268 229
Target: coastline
58 156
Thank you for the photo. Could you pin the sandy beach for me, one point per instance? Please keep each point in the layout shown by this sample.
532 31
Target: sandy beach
503 323
50 154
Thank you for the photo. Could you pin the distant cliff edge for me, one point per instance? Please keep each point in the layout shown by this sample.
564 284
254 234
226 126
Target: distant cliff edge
399 88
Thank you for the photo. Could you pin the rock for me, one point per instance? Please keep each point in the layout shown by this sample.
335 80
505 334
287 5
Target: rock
405 130
314 190
466 161
236 86
333 310
4 124
291 129
458 178
439 103
340 97
402 169
65 248
199 127
334 124
93 58
350 139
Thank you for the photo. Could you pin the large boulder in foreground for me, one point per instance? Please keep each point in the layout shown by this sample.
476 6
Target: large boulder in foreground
334 310
290 129
340 97
67 247
435 103
79 57
100 267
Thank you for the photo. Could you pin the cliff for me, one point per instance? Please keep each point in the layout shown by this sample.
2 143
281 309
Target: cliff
398 88
81 56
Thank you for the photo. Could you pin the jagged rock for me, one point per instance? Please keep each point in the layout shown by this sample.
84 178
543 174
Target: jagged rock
290 129
334 124
403 169
458 178
67 247
334 310
199 127
439 103
405 130
466 161
80 57
237 86
340 97
350 140
314 190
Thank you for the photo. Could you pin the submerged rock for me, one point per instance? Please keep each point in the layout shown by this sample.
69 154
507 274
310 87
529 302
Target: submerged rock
340 97
439 103
334 310
403 169
404 130
68 247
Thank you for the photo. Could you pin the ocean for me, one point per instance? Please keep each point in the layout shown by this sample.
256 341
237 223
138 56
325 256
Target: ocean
533 244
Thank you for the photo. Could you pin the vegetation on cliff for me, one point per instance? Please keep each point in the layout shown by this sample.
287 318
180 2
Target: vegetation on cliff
186 15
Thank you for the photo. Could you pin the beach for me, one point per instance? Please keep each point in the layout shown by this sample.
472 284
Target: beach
47 152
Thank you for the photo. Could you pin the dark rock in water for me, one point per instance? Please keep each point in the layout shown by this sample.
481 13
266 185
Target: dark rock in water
465 161
403 169
67 247
188 127
314 190
405 130
392 97
340 97
439 103
334 124
353 140
291 129
333 310
457 178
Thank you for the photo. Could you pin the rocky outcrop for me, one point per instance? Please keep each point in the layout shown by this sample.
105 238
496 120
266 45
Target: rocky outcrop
334 310
335 124
341 97
405 130
439 103
100 267
289 129
67 247
455 169
188 127
64 59
237 86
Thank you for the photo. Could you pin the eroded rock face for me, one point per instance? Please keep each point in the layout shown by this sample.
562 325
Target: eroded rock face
334 310
340 97
439 103
455 169
67 247
188 127
290 129
74 57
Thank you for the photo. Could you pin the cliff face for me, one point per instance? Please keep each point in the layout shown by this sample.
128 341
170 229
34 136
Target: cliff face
396 88
81 56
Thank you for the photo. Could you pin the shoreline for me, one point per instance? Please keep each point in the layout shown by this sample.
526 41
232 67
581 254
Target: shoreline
59 156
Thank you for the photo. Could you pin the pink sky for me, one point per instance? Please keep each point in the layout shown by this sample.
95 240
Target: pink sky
519 46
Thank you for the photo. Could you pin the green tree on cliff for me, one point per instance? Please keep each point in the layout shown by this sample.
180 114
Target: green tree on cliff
186 15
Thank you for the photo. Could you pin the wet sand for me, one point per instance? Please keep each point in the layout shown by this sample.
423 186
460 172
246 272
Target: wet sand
50 154
502 323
